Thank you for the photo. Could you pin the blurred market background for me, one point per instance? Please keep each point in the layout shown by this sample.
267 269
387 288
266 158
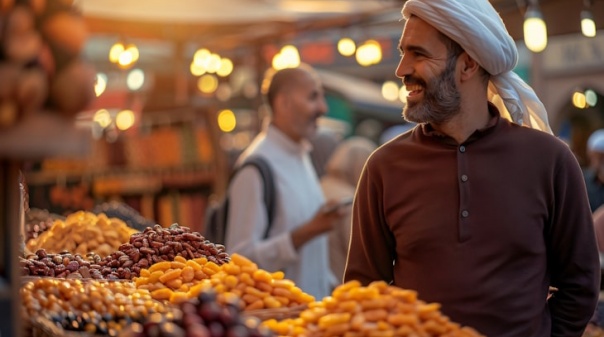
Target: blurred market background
177 91
161 96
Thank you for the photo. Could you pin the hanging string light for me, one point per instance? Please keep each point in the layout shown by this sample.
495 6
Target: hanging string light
535 29
588 25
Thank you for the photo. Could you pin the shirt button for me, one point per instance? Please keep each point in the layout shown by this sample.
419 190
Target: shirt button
462 149
464 178
465 214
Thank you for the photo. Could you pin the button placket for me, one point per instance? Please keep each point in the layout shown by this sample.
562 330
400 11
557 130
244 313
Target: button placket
464 197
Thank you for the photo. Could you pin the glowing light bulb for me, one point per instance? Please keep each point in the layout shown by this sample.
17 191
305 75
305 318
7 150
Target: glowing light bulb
535 31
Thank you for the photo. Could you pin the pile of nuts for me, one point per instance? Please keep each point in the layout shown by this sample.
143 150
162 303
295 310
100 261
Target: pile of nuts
156 244
378 309
61 265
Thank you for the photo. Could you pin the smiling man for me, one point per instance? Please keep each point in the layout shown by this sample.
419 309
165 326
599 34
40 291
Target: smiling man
296 243
478 207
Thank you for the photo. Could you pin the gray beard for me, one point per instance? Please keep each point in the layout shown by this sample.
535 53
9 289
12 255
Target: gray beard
441 102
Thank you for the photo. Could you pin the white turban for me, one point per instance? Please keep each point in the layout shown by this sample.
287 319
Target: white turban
479 30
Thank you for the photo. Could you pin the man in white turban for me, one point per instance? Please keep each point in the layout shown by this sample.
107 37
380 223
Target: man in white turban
478 207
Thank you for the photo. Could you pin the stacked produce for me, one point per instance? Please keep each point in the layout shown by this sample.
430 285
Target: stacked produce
258 288
61 265
182 280
40 60
375 310
156 244
82 233
202 316
94 306
176 281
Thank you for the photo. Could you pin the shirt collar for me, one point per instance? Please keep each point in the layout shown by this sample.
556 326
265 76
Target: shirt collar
495 116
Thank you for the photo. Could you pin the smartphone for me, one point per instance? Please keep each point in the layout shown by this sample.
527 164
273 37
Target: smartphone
343 202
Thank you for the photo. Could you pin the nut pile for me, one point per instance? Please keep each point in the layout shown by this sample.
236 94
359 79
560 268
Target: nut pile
156 244
84 232
375 310
94 306
61 265
41 67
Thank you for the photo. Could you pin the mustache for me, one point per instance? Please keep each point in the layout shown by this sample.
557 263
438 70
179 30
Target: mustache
410 80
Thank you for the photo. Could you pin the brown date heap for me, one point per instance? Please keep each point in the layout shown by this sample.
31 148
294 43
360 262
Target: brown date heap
156 244
61 265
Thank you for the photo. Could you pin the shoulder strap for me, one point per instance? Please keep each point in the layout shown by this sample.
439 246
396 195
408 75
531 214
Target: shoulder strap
269 186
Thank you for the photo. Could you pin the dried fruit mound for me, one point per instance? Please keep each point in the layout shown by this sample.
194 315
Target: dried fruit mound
156 244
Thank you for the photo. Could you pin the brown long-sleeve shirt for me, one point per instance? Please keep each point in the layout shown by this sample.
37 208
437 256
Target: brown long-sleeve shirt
483 227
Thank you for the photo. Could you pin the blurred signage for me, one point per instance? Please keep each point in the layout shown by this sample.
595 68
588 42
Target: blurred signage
574 53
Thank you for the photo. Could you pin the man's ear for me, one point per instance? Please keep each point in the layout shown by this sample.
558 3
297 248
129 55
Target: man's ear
469 67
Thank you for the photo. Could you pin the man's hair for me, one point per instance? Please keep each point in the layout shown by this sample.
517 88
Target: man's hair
454 49
277 81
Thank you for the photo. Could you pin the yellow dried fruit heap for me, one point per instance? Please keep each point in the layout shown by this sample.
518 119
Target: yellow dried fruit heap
377 310
176 281
83 232
258 288
181 279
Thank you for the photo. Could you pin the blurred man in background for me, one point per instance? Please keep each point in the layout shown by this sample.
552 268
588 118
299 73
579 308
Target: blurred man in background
296 243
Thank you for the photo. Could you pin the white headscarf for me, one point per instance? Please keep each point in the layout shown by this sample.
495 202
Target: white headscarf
479 30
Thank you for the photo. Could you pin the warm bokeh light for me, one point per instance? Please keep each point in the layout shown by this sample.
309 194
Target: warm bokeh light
124 119
390 90
346 46
124 56
588 25
535 31
226 67
197 69
201 55
135 79
579 100
102 118
207 84
126 59
288 57
133 50
369 53
101 84
115 52
226 120
214 62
